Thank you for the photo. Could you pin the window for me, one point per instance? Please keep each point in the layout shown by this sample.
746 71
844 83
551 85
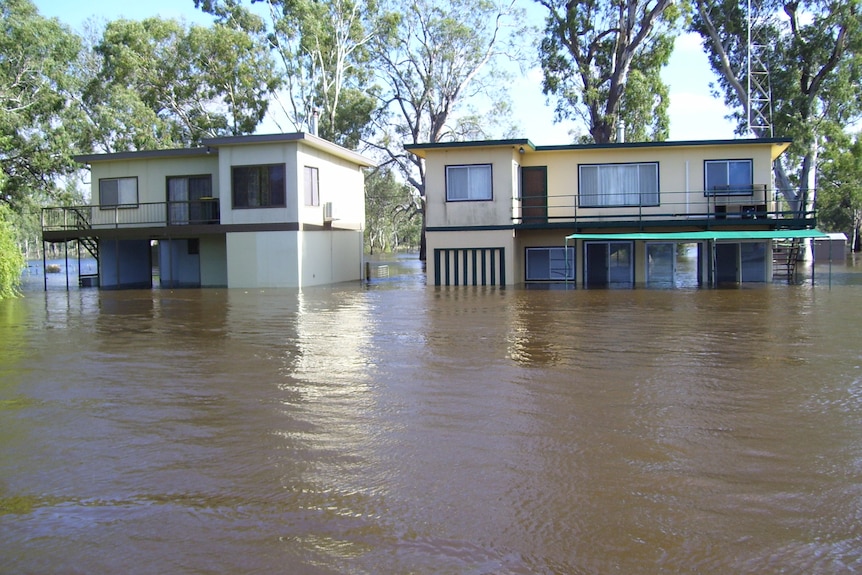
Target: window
468 183
121 192
728 177
312 186
549 264
259 186
606 185
184 198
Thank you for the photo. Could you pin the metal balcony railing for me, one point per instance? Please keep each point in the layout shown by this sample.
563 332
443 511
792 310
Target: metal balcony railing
144 215
758 205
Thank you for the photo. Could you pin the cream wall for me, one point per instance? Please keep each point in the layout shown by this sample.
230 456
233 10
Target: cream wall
472 239
498 211
681 174
681 180
152 174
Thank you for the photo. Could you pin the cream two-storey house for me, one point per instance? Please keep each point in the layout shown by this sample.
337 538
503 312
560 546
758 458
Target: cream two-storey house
509 212
280 210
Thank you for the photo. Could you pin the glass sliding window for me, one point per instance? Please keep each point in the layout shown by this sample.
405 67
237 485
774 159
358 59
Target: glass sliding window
258 186
550 264
728 177
122 192
468 183
311 181
607 185
184 195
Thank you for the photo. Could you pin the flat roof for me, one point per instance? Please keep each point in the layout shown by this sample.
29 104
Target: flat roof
705 235
211 146
145 155
780 144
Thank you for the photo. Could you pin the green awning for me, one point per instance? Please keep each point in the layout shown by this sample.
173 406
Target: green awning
706 235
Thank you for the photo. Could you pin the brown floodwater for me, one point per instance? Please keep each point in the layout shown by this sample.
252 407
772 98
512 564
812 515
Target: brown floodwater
396 428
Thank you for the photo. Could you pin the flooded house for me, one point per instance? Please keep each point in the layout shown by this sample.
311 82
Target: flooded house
503 212
258 211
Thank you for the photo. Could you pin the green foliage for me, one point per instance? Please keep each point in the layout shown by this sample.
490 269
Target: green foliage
392 215
37 125
433 57
602 61
813 50
11 259
839 196
158 84
323 56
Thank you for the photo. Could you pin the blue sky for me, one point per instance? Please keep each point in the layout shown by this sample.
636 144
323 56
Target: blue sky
695 115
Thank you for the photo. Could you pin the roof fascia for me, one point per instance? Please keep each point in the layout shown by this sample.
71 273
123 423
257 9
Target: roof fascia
310 140
145 155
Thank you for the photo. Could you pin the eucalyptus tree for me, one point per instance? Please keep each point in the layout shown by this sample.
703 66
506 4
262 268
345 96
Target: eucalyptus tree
813 49
839 203
323 54
158 83
437 61
393 216
602 61
37 126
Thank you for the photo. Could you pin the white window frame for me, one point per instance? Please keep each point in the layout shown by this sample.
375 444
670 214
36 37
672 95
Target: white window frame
476 176
726 188
561 264
126 192
610 183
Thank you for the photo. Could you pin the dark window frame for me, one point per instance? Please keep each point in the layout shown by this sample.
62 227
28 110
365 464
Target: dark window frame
275 194
190 209
641 193
727 189
571 257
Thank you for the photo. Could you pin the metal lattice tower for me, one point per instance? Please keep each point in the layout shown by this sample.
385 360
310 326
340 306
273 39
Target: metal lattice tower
759 89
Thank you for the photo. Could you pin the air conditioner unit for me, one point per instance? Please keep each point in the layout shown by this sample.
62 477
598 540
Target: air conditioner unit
327 212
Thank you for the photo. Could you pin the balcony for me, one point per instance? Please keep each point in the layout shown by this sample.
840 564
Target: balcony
79 220
698 209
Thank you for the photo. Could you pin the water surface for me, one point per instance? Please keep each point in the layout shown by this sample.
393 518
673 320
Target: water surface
395 428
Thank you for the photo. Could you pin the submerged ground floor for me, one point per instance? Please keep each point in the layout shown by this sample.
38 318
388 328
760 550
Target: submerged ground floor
667 259
249 259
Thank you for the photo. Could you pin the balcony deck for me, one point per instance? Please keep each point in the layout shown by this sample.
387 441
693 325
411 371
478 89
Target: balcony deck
688 210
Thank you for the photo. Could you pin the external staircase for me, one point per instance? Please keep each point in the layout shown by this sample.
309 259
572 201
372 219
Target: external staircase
786 255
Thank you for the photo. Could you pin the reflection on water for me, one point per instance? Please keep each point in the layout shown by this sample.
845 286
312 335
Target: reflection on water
395 428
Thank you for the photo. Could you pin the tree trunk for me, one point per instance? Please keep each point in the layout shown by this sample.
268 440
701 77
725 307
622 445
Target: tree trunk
422 243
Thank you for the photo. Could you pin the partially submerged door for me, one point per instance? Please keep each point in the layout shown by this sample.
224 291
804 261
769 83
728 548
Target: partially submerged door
608 264
661 263
726 263
534 194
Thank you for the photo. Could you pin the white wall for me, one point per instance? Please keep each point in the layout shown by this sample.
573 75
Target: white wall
262 259
255 155
330 256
